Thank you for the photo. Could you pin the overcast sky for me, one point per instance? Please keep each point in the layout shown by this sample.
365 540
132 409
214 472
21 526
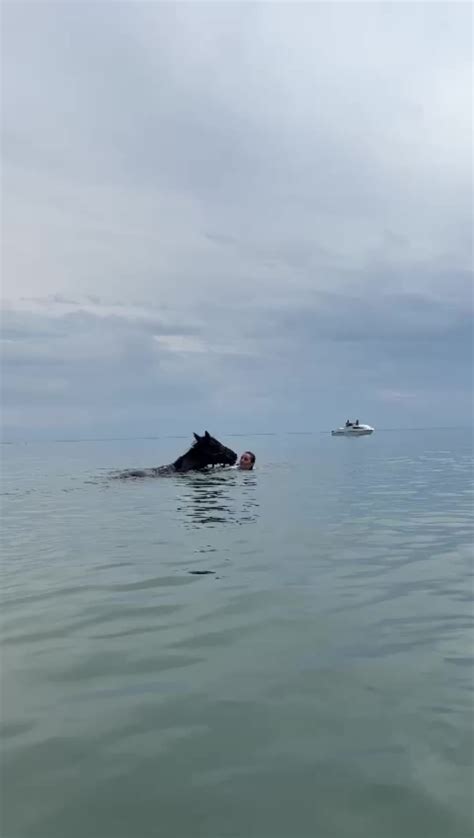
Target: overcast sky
241 217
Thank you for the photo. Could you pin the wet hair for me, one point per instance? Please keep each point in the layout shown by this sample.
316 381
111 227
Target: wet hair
251 455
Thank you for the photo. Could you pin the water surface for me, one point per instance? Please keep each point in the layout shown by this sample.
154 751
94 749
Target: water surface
283 653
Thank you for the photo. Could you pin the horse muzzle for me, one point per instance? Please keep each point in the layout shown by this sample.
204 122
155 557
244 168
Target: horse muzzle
231 457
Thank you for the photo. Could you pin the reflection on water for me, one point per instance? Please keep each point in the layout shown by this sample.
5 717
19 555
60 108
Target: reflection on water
214 498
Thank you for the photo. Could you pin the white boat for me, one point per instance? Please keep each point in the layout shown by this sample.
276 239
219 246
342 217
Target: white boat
353 429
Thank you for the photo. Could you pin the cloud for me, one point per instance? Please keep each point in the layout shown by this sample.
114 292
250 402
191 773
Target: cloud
260 213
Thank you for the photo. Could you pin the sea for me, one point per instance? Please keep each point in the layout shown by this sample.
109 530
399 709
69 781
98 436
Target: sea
282 653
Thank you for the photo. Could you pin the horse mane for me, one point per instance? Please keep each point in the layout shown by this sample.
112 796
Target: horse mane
178 462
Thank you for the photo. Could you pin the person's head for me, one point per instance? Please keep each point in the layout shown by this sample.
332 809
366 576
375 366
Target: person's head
247 461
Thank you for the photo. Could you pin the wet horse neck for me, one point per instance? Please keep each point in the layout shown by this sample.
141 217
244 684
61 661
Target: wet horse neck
184 463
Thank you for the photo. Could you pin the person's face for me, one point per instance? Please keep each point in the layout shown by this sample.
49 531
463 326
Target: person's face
245 461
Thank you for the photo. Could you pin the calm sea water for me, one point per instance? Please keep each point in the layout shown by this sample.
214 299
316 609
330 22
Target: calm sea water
277 654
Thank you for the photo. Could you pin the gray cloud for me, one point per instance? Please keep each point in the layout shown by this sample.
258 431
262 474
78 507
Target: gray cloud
256 213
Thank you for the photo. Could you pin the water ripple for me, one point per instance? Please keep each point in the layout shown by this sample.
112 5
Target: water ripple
236 654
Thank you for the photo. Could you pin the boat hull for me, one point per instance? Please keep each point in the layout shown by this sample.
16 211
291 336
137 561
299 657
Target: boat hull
361 431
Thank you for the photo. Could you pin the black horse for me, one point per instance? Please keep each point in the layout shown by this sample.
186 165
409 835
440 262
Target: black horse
206 451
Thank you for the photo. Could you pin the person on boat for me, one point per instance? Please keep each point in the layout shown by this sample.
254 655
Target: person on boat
247 461
357 423
348 423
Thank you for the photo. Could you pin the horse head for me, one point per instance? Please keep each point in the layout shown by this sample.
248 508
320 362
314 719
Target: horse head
210 452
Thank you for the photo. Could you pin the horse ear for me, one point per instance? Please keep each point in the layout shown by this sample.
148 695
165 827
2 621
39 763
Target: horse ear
207 434
197 437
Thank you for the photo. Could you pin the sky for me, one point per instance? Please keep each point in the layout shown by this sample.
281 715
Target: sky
244 217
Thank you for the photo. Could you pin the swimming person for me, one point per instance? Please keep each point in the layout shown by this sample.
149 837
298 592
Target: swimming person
247 461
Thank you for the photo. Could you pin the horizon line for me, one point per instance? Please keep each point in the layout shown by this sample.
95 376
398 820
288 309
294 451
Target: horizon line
28 441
